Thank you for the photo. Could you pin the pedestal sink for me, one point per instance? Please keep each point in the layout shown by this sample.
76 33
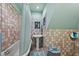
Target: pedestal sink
37 40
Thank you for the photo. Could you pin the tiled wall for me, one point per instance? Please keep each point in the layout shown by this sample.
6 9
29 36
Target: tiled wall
0 17
60 39
10 25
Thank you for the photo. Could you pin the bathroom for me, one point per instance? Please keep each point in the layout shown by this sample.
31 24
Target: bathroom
39 29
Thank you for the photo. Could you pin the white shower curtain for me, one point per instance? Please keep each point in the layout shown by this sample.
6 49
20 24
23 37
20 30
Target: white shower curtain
25 30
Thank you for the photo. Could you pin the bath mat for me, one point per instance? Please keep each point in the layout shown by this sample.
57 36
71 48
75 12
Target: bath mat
38 53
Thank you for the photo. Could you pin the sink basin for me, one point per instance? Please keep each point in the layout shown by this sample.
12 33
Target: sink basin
37 35
37 40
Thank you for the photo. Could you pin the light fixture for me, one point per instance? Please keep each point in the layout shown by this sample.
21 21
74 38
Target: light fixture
37 7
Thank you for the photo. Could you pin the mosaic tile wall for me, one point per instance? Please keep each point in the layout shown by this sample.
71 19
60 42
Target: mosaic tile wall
0 17
60 38
10 25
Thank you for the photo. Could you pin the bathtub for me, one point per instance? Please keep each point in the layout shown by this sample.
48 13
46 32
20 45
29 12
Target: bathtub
13 50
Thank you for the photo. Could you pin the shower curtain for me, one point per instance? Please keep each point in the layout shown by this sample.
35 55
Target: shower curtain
25 30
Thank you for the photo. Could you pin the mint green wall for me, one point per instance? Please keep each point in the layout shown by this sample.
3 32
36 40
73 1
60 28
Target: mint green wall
18 7
64 16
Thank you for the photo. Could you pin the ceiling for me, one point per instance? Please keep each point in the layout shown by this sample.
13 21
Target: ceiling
34 7
37 7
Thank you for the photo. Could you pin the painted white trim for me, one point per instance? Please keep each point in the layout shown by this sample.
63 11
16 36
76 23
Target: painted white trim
44 12
44 15
49 15
28 49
